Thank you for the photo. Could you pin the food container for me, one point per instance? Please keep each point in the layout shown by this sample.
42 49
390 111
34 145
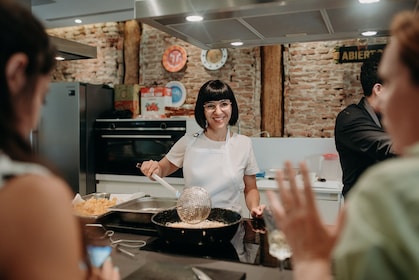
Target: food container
140 210
92 218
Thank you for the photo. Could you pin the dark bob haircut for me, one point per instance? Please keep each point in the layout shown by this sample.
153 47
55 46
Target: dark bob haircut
215 90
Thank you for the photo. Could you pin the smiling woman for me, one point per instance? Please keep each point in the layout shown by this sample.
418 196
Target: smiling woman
220 161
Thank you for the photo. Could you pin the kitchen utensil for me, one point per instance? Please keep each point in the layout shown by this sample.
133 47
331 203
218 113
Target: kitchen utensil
193 205
197 236
166 184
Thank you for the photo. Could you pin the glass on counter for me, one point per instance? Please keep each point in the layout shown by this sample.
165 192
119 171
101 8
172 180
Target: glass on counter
278 245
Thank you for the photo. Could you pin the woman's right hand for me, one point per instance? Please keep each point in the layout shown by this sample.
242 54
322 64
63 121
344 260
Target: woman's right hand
150 167
107 272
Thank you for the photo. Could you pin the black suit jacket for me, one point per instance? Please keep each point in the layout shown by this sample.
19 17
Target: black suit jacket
360 141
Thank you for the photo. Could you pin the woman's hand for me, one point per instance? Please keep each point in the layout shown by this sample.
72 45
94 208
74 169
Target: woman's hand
150 167
107 272
256 212
296 213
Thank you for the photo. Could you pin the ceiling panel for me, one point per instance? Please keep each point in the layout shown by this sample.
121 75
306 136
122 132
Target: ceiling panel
216 31
294 23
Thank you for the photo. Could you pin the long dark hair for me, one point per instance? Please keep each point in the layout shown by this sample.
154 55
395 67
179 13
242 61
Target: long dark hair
215 90
21 33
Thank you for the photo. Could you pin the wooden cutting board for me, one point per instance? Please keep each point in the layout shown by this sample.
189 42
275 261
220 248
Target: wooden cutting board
172 271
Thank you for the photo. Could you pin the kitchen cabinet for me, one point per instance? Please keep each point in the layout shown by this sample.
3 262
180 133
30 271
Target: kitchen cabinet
328 197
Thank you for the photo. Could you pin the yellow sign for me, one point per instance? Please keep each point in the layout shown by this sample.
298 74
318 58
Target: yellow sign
355 54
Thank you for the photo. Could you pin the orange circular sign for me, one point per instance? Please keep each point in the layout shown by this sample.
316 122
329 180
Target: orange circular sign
174 58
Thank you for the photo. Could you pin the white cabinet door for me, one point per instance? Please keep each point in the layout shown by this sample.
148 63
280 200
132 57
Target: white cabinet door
328 205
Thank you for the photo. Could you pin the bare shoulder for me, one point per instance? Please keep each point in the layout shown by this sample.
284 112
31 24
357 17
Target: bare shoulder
40 214
33 197
33 189
32 205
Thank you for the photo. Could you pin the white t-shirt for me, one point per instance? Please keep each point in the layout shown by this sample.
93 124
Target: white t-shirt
241 152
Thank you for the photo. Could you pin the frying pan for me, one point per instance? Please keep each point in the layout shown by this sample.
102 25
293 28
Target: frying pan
197 236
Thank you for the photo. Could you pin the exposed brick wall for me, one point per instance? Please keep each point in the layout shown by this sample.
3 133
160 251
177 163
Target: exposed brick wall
241 72
315 88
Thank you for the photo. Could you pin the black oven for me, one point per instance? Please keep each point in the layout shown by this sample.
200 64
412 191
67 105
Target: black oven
120 144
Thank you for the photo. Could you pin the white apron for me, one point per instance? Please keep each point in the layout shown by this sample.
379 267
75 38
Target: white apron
212 170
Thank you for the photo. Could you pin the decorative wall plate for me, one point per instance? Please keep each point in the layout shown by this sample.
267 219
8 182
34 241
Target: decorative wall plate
174 58
214 59
178 93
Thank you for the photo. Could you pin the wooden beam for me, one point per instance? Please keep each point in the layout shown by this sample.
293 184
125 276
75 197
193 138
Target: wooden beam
272 91
132 38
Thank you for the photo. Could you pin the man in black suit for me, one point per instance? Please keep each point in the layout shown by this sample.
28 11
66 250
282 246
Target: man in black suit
359 136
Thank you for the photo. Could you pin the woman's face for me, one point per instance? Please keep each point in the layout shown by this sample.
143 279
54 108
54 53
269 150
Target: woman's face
399 104
218 113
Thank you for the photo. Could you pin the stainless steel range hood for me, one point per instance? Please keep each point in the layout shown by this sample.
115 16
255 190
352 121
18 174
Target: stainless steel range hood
267 22
71 50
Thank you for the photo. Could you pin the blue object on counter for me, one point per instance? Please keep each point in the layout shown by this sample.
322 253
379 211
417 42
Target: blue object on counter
98 254
260 174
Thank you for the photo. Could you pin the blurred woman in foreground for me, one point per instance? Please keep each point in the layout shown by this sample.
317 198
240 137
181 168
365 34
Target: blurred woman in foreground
40 237
378 236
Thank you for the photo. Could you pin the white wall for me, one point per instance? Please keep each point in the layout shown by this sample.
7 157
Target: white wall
272 152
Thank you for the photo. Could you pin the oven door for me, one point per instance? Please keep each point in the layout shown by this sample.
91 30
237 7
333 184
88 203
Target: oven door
119 152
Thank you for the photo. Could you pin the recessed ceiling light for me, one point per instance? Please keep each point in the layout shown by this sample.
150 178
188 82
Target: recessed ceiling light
368 1
194 18
369 33
236 44
77 20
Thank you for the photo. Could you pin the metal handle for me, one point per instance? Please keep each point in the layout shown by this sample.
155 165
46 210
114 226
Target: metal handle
165 184
138 136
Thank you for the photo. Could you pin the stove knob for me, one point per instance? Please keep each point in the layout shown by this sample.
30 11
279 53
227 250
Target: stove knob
163 125
112 126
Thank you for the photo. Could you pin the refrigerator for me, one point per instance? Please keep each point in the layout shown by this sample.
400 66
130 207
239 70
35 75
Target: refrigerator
65 134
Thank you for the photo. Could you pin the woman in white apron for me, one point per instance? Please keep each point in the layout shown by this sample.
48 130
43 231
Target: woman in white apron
216 159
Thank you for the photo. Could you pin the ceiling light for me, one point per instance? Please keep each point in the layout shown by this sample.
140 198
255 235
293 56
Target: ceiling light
59 58
77 20
369 33
368 1
194 18
236 44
